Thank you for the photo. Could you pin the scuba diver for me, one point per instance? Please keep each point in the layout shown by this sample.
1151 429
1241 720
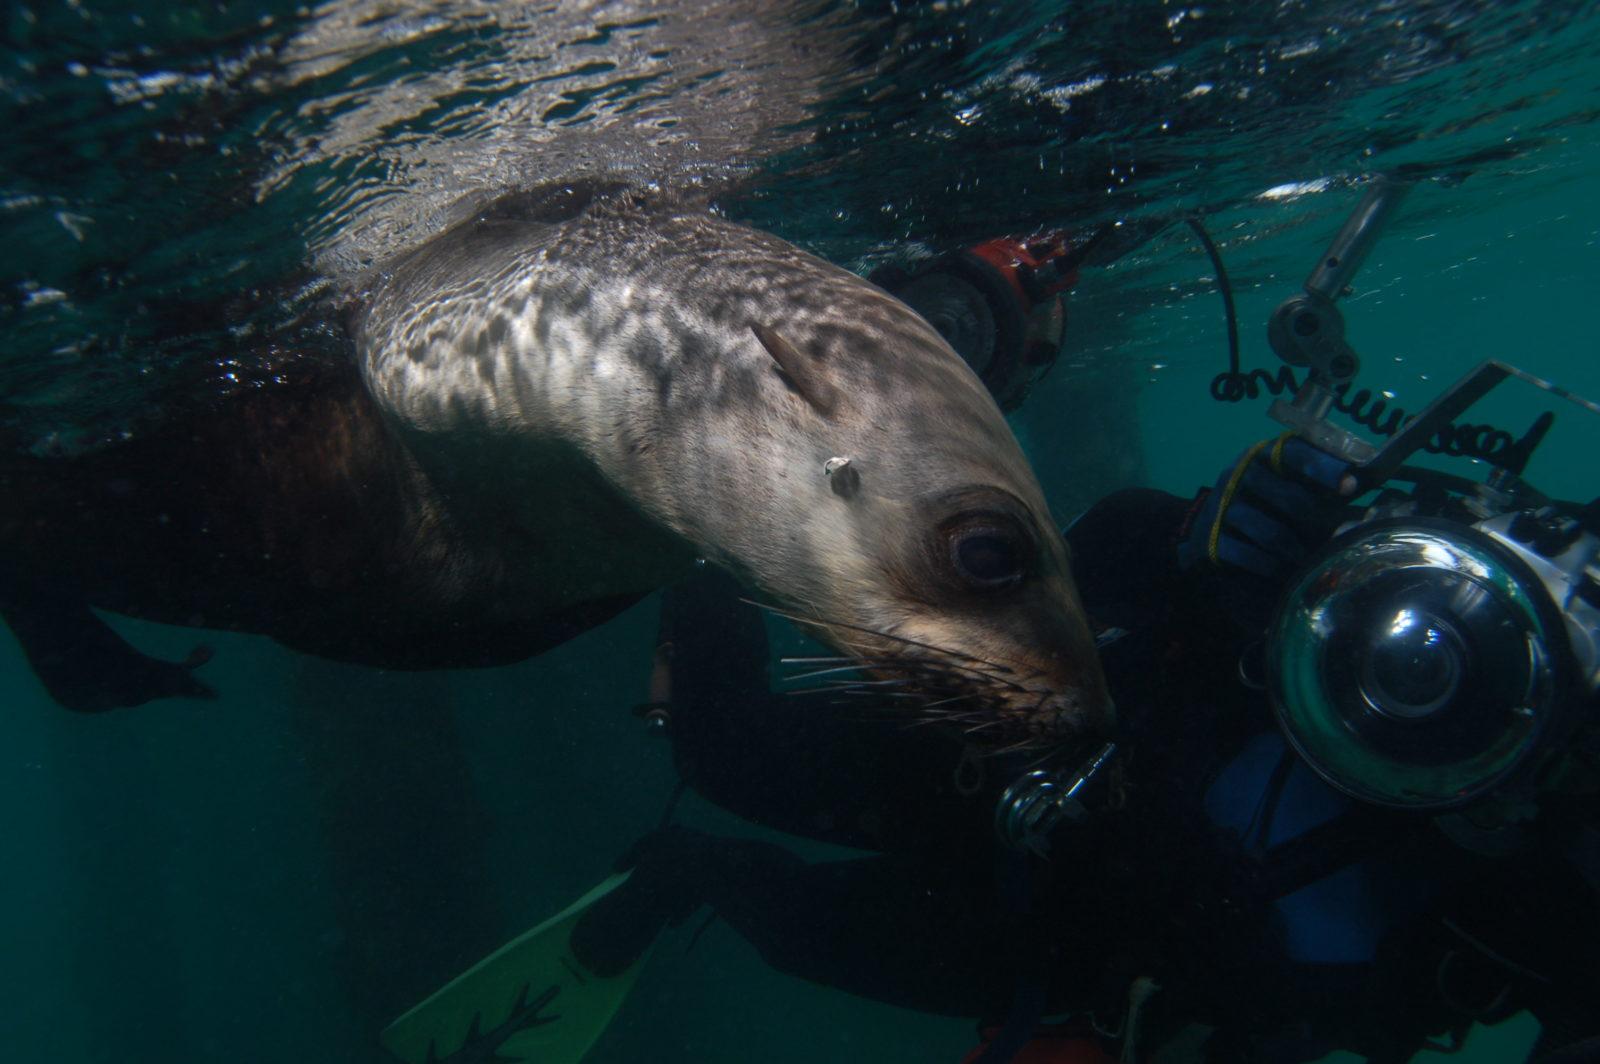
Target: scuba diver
1351 801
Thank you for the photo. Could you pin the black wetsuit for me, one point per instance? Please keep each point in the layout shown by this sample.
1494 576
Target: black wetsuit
1264 905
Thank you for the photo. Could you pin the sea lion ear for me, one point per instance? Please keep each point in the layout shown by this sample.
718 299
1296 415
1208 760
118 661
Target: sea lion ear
802 373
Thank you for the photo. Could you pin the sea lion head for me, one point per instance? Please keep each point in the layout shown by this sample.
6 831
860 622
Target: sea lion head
756 406
917 540
963 606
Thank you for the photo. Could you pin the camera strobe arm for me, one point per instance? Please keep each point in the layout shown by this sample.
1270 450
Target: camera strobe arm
1307 329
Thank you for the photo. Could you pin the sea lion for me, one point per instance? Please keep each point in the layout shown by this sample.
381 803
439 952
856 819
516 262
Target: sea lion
618 382
292 511
563 402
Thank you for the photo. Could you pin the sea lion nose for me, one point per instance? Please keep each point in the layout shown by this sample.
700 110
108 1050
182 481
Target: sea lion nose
1080 700
1078 710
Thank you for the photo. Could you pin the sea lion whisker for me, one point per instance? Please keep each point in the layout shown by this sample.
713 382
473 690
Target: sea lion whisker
949 668
981 670
852 663
967 720
892 662
813 674
846 691
985 675
915 667
971 713
937 683
989 672
923 722
994 666
835 659
816 622
939 718
952 698
849 691
1016 747
976 728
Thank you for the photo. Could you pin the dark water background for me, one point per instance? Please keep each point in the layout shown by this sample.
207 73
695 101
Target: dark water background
186 189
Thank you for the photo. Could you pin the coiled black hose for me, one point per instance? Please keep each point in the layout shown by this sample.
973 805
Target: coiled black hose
1233 384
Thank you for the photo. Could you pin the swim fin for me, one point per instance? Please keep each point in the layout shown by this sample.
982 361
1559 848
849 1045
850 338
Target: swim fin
528 1001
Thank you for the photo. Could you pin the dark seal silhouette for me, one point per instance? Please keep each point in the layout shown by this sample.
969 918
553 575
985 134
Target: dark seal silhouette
291 512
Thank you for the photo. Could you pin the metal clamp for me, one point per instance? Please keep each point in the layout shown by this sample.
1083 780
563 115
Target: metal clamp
1307 329
1040 802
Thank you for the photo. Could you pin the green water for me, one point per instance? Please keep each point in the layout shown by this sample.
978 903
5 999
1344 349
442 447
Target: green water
169 891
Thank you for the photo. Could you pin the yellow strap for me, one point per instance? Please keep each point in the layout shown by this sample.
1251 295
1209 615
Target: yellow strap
1277 451
1228 492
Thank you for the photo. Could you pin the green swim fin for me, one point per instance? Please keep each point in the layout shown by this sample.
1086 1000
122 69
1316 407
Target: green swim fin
530 1000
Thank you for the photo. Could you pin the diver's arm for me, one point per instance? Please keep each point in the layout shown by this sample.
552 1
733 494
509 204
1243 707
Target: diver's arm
799 763
1142 556
926 935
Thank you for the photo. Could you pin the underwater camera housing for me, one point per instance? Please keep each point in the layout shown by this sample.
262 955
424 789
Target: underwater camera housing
1442 653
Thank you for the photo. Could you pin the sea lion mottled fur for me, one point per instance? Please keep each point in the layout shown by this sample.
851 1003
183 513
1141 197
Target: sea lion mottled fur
563 402
616 354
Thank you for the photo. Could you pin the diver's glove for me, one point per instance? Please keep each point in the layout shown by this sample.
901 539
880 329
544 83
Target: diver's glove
1267 513
664 888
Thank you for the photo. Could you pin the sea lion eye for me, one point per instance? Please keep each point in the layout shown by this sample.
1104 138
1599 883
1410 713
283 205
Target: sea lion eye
988 556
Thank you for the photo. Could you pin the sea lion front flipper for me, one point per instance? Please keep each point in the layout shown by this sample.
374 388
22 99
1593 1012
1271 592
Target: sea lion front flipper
85 665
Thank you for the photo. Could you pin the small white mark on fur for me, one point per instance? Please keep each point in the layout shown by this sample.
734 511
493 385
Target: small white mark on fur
844 478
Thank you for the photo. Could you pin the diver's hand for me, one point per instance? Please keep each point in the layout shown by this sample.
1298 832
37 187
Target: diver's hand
1268 511
663 888
676 870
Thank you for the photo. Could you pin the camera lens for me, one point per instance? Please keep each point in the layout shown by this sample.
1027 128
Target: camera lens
1412 664
1424 662
1418 664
